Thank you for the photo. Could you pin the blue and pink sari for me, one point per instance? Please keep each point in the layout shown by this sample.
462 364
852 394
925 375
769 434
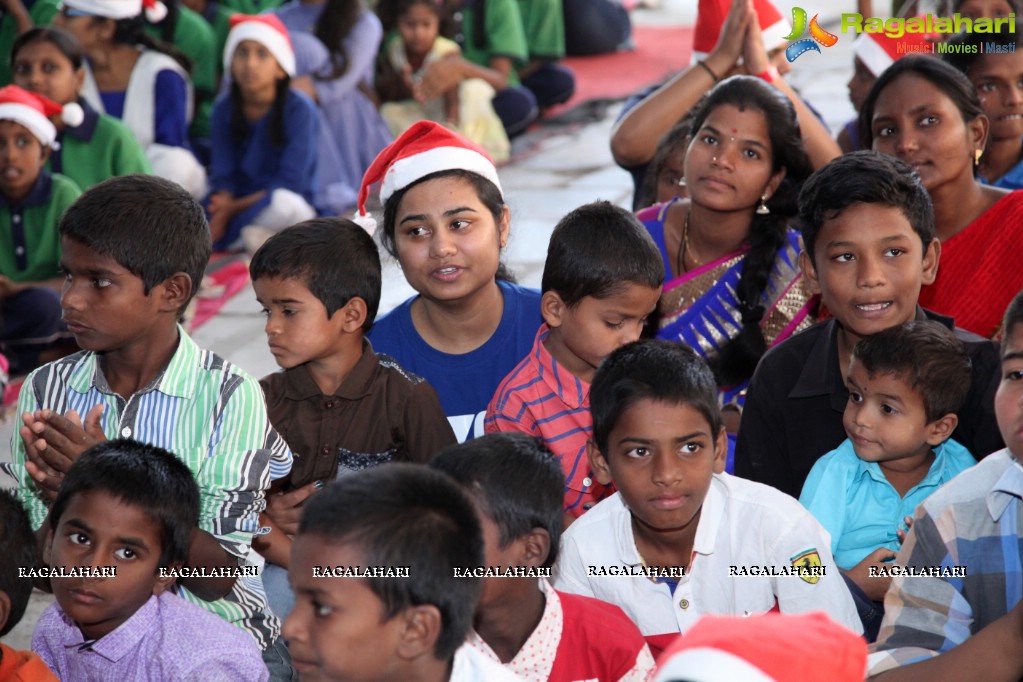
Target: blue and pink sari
699 307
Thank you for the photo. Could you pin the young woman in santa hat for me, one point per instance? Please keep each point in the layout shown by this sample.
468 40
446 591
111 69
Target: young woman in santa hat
446 222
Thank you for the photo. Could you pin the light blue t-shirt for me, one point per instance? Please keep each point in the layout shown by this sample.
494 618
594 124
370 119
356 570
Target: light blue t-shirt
857 505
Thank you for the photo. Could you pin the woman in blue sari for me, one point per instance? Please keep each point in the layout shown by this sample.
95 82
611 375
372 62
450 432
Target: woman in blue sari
735 288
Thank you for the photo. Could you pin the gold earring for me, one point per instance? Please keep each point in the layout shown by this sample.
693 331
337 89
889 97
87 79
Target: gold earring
762 209
976 156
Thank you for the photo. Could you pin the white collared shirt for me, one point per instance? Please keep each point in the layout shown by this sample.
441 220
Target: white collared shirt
745 525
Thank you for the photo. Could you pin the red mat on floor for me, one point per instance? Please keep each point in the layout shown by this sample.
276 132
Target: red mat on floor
659 53
224 279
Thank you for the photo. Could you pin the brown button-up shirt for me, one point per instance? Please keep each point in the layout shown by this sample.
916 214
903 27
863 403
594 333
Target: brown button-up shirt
380 413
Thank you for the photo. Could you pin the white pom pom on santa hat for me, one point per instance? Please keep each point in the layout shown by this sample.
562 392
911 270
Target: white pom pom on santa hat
73 115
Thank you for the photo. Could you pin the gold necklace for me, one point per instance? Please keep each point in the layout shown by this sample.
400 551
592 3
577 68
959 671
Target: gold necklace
684 248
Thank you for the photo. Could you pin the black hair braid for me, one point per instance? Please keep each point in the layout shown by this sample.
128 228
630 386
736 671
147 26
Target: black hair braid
277 122
240 125
737 359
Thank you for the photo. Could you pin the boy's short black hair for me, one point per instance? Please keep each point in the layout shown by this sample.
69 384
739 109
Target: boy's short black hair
152 227
1013 316
596 250
336 260
662 371
516 481
17 550
863 177
143 476
926 356
407 515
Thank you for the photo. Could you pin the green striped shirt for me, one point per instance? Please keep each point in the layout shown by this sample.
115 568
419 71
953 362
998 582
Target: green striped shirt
209 413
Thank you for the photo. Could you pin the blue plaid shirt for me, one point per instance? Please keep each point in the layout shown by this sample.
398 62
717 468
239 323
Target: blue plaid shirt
973 522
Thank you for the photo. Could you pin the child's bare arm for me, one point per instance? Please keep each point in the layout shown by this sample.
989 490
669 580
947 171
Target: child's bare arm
275 545
451 112
635 137
205 551
873 586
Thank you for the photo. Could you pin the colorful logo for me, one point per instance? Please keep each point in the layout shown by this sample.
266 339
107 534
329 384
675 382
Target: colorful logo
817 35
808 563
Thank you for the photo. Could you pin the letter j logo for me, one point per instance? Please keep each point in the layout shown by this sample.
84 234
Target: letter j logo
817 35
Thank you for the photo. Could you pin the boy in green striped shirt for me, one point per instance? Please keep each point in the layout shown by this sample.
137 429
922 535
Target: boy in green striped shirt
133 251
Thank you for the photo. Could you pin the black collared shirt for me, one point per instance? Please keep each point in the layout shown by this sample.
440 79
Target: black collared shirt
794 406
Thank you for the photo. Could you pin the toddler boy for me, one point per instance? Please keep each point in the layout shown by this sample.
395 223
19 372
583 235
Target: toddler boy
31 202
601 281
340 407
905 385
373 568
133 252
694 540
966 627
17 551
123 621
538 633
869 245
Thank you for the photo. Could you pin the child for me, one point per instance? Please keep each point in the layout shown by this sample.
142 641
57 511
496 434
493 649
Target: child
49 61
967 626
869 245
446 223
340 407
130 625
539 634
17 551
692 539
906 384
337 43
415 527
134 248
264 146
601 281
665 176
33 201
998 78
405 54
494 47
139 80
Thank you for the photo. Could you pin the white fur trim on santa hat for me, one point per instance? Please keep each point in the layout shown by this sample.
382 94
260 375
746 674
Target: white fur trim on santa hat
111 9
32 119
273 40
872 54
404 172
706 664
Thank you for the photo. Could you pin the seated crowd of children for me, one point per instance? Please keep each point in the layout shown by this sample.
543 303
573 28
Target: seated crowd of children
492 482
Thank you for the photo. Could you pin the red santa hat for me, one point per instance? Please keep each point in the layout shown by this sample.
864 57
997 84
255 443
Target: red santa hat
120 9
877 51
773 647
711 15
33 111
268 31
425 148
